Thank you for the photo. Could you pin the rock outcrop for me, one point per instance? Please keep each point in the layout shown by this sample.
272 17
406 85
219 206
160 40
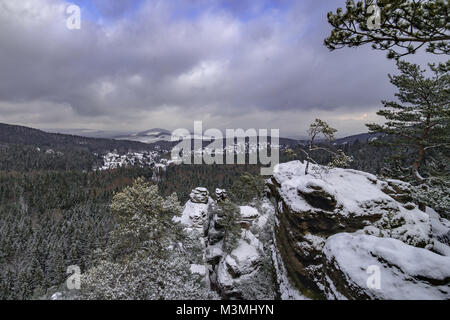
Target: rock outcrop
199 195
195 212
320 236
240 265
441 233
248 215
221 194
312 208
245 272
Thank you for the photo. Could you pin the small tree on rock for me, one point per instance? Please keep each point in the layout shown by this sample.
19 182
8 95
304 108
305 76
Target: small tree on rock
317 128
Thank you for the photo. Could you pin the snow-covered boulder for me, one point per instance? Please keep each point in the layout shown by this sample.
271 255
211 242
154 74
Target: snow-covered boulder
328 201
245 258
199 195
412 226
213 254
248 214
240 268
350 194
399 190
194 215
353 261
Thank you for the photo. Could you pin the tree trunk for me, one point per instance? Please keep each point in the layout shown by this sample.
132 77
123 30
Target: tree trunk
416 164
308 159
421 154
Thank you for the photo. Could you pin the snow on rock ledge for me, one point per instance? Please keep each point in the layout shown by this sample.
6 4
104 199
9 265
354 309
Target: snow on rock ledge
353 200
313 207
406 272
248 214
346 192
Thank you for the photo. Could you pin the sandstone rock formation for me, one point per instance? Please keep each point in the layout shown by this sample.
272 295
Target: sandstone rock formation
195 212
319 235
244 272
199 195
221 194
313 208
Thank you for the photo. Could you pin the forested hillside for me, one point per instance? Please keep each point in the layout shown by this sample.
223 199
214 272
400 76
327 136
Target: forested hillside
12 134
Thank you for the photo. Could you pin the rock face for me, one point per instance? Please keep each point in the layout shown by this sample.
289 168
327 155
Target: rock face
240 265
245 272
312 208
195 212
248 215
405 272
199 195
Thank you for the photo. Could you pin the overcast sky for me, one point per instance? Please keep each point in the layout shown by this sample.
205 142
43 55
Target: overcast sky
140 64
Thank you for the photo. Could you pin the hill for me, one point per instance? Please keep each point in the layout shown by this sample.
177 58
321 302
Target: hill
13 134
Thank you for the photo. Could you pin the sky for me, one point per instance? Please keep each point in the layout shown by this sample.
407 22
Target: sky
141 64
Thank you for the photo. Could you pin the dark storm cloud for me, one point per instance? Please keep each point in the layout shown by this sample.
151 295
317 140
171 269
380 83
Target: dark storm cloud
158 68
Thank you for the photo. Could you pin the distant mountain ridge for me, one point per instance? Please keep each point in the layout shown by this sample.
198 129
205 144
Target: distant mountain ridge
155 135
14 134
89 133
144 140
147 136
362 137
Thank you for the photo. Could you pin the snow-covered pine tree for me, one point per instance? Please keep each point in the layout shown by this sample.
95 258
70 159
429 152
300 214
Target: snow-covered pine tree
145 258
340 160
